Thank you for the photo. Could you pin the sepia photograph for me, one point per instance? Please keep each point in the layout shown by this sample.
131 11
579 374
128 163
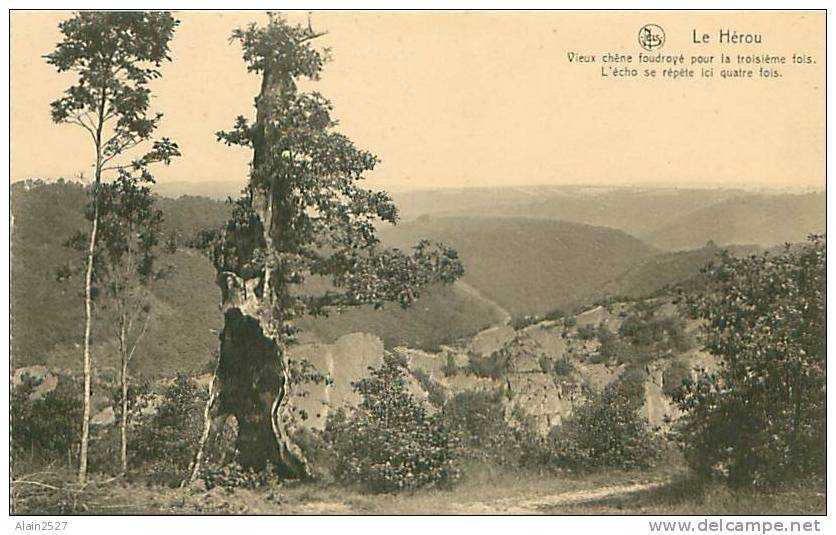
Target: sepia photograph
418 262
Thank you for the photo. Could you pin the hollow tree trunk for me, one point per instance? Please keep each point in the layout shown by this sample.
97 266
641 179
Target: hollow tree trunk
251 380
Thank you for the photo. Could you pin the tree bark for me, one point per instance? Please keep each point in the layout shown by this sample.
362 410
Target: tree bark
123 424
88 295
88 320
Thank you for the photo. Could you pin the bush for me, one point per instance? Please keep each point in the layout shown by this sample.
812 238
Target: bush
563 367
47 427
492 366
164 442
232 475
630 385
479 418
664 334
521 322
554 315
605 432
674 375
760 420
390 442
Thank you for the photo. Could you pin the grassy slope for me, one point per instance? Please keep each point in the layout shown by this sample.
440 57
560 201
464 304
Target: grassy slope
440 316
764 220
529 266
666 269
48 315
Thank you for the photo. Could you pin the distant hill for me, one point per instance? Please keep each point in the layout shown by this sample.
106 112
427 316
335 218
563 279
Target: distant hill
529 266
765 220
666 269
47 315
515 266
637 211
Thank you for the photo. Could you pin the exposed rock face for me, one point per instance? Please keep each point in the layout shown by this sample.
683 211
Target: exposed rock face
491 340
538 396
345 361
44 380
106 416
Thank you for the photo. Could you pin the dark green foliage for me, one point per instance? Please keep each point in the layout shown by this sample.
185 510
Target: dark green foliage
588 332
115 54
164 443
605 432
674 375
554 314
46 428
493 366
390 443
563 367
436 393
661 334
522 322
760 420
630 385
479 418
233 475
613 348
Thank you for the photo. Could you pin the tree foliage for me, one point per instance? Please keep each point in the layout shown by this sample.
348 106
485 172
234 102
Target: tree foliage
390 442
115 54
321 221
760 419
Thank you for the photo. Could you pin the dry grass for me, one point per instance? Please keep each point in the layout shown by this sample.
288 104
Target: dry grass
667 490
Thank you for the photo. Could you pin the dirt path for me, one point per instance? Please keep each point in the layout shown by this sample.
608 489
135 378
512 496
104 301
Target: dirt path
468 289
527 505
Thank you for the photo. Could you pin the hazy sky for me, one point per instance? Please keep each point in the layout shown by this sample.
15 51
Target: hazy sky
468 99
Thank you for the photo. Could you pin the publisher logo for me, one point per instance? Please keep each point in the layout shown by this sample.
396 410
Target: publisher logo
651 37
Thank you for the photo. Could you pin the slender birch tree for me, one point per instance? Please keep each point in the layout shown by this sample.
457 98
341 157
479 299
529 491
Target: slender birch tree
114 56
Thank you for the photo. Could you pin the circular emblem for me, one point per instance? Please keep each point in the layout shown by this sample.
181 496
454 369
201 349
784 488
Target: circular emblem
651 37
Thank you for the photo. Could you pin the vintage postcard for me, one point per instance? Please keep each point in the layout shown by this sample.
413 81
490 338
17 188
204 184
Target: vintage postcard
419 263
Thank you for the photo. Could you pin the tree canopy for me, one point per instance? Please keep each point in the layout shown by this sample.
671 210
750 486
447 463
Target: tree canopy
321 221
760 419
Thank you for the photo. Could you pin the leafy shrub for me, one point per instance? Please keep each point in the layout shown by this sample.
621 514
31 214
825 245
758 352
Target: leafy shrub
46 427
615 349
666 334
605 432
493 366
479 418
165 441
233 475
450 369
587 332
554 314
571 321
563 367
761 419
521 322
390 443
436 394
630 385
674 375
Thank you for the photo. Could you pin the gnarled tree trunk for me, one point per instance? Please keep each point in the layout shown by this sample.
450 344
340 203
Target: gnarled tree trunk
251 380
